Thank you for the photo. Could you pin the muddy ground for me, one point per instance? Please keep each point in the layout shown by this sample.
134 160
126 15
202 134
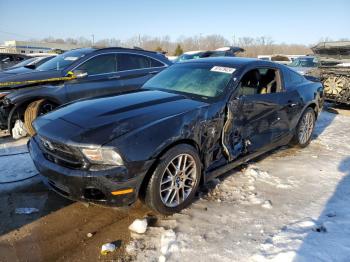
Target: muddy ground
58 232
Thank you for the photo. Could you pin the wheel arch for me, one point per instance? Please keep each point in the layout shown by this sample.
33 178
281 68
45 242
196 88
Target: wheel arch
314 106
19 108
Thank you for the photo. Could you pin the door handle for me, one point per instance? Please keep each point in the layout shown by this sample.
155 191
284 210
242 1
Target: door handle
153 72
113 77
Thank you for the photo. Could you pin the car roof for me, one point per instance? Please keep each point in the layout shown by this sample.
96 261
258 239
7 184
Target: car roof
230 61
136 49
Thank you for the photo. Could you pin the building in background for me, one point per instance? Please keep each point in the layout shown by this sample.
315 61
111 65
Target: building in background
27 47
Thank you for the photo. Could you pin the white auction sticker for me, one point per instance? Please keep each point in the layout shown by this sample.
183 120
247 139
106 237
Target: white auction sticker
70 58
223 69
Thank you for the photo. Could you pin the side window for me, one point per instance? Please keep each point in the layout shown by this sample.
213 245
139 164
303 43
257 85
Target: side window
101 64
131 62
259 81
155 63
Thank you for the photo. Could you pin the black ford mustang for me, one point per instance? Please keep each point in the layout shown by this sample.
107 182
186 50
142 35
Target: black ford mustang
188 124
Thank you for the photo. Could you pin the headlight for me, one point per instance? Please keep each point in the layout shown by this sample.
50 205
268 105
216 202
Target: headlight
103 156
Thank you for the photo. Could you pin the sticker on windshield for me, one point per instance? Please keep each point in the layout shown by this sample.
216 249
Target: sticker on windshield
223 69
70 58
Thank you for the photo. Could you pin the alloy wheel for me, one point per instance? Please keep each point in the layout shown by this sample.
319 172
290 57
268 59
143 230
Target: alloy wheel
178 180
306 127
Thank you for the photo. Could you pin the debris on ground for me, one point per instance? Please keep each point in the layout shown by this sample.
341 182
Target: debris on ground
107 248
139 226
89 235
18 130
267 204
26 210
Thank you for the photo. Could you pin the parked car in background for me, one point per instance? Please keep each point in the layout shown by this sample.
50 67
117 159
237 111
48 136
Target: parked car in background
7 60
25 66
223 51
191 122
281 59
76 74
304 64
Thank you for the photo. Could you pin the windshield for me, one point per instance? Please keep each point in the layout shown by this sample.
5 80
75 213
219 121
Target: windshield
304 62
206 81
214 54
62 61
25 62
184 57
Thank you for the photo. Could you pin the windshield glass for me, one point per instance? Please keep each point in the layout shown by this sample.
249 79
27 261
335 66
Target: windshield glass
62 61
184 57
24 63
206 81
303 62
214 54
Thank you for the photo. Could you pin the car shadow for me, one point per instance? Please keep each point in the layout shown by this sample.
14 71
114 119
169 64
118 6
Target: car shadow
324 120
35 199
328 239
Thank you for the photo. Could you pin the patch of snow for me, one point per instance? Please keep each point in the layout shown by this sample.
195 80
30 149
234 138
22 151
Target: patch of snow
139 226
267 204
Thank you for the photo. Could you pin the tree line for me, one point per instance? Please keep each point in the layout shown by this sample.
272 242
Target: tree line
253 46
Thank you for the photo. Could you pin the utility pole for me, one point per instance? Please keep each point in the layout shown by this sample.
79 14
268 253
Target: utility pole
93 39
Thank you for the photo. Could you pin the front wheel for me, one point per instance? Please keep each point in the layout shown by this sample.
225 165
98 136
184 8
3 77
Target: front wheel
175 180
35 109
304 129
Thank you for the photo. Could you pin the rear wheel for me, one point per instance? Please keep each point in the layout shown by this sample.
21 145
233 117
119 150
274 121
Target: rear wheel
175 180
35 109
305 127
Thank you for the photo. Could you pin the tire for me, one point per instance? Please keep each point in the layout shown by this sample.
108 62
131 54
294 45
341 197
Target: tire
166 179
34 109
304 129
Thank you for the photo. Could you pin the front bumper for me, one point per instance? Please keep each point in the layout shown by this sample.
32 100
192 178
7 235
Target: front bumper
87 186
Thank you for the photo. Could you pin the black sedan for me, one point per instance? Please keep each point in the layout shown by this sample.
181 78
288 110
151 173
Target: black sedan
188 124
73 75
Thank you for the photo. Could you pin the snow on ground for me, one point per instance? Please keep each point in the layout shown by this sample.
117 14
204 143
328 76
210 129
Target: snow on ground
291 205
17 168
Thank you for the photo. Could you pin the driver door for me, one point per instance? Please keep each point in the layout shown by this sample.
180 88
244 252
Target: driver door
257 118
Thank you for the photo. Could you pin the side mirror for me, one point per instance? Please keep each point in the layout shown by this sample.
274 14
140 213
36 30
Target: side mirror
80 73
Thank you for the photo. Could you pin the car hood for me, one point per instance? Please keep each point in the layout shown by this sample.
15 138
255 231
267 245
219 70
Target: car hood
98 121
25 76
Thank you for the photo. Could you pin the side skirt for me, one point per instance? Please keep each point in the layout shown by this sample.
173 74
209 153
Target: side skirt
224 169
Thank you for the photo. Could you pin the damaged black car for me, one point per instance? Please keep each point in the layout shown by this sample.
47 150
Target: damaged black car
193 121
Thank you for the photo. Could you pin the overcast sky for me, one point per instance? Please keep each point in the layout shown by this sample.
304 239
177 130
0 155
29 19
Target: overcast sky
288 21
